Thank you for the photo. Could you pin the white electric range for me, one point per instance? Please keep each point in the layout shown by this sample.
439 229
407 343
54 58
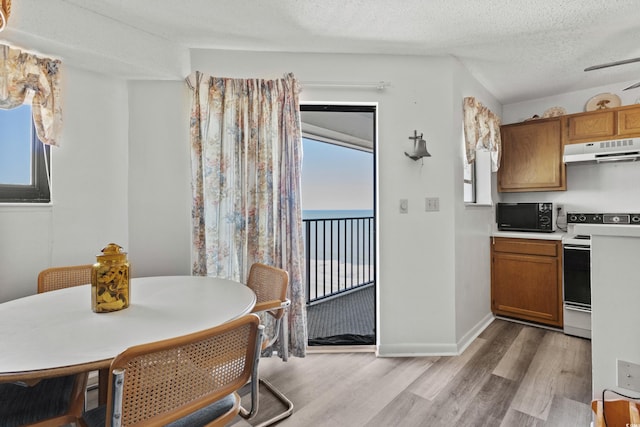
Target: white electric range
576 270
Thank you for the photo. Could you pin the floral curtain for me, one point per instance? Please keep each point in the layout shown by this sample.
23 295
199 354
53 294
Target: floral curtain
481 131
246 160
5 11
25 78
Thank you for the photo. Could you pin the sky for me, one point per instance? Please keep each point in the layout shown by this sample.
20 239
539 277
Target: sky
15 145
336 178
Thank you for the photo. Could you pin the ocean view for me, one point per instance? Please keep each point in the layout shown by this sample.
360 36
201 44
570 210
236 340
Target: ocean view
339 245
339 249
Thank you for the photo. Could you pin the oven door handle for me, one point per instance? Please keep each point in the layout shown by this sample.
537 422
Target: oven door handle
580 309
579 248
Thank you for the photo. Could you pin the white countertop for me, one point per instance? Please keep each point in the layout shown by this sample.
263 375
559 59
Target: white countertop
556 235
608 230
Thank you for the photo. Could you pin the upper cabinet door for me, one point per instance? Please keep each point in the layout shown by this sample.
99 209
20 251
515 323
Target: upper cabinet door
629 122
532 157
591 126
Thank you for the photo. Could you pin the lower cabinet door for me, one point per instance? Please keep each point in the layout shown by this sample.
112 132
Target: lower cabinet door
526 287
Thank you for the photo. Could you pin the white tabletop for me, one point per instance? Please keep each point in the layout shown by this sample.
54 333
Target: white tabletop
58 329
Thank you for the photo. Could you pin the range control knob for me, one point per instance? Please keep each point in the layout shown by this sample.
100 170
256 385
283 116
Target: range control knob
635 218
573 218
582 218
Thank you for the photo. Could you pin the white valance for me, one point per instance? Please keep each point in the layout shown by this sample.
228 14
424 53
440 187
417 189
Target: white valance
25 78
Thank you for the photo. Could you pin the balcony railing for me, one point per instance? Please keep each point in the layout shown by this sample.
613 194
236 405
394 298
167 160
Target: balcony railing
339 254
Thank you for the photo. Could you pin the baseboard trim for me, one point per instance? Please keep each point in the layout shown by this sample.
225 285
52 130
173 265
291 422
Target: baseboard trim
473 333
422 350
417 350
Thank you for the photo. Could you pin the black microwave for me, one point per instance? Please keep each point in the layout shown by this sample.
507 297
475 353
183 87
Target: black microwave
536 217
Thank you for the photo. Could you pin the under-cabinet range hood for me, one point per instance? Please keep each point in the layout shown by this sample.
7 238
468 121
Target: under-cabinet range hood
617 150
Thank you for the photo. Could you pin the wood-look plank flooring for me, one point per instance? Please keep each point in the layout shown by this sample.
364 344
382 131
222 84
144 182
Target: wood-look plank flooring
512 375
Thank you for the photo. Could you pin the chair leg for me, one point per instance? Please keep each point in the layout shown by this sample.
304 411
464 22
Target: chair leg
282 398
284 332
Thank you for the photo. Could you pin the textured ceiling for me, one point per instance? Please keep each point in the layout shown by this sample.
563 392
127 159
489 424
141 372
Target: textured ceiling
519 50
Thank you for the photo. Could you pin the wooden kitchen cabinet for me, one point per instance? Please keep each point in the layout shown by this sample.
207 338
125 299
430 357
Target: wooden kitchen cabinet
600 125
526 279
532 157
594 125
629 122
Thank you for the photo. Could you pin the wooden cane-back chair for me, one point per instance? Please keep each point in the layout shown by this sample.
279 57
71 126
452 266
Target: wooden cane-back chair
50 402
270 285
616 413
55 278
185 381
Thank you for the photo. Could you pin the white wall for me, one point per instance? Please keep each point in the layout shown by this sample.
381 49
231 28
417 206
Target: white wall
472 225
89 178
159 178
572 102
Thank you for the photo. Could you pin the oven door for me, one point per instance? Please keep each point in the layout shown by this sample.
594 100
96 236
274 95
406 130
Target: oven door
577 276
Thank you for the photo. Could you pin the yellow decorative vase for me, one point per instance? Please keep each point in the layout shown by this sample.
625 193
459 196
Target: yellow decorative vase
110 280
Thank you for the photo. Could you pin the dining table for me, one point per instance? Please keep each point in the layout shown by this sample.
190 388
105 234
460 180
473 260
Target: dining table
57 333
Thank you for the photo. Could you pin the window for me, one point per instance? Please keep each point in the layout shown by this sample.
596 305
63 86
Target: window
24 159
469 182
481 147
477 179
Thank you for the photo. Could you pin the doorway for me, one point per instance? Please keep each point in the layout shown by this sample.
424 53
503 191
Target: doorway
338 202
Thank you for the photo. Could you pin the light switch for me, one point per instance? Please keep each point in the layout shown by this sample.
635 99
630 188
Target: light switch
404 206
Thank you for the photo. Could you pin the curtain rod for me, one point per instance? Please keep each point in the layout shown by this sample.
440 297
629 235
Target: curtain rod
381 85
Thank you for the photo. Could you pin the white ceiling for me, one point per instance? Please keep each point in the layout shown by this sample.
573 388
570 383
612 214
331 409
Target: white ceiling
518 49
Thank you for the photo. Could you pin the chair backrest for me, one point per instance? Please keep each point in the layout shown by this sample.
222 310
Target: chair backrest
55 278
270 286
617 412
170 379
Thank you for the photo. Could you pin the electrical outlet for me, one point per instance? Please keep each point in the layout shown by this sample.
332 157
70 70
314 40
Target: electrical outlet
432 204
560 210
629 375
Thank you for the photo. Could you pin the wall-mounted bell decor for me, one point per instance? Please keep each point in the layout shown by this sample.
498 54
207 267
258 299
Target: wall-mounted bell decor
419 147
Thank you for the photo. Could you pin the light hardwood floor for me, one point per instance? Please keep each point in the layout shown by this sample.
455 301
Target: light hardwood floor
512 375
